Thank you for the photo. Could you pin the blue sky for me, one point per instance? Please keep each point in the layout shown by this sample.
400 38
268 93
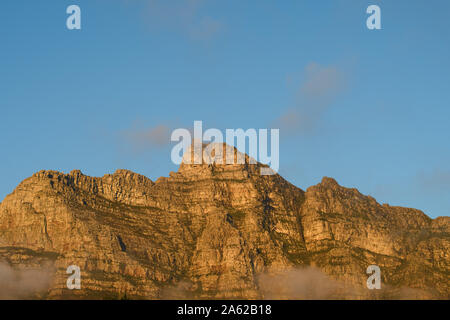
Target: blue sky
367 107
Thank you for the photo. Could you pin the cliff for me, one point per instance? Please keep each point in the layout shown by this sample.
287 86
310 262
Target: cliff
217 231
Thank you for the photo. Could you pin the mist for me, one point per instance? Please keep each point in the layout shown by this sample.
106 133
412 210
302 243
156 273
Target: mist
23 284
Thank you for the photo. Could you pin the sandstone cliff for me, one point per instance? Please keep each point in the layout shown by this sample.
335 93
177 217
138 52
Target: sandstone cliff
217 231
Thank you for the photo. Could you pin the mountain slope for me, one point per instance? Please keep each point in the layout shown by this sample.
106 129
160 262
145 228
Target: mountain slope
217 231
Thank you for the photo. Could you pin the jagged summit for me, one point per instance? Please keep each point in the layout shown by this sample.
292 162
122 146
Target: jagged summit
217 158
329 181
218 230
195 163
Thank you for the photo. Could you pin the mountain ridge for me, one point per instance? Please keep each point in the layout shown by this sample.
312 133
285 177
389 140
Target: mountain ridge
218 231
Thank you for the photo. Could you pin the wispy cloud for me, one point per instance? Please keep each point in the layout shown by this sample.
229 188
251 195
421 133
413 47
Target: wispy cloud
322 83
435 180
142 139
184 16
305 283
310 283
300 283
22 284
318 90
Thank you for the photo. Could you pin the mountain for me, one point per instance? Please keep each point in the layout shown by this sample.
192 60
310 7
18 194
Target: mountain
214 232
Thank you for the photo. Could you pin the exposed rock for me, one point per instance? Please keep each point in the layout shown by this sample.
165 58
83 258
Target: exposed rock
211 231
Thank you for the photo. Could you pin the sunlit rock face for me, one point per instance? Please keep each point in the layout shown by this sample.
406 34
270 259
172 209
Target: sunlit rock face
217 230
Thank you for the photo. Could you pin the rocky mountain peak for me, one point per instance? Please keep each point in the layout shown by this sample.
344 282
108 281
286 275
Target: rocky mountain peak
216 159
216 231
329 182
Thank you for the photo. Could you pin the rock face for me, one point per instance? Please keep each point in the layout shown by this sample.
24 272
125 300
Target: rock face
217 231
